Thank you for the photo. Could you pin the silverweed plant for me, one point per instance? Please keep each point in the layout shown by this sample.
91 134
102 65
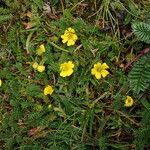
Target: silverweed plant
74 75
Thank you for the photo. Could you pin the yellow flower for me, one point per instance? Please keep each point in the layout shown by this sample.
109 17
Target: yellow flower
48 90
100 70
40 50
129 101
66 69
50 106
41 68
35 65
69 36
0 82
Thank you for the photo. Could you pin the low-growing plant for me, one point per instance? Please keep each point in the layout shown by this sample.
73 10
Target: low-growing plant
66 75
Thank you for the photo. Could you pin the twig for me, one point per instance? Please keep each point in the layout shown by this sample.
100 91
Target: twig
124 115
78 47
62 6
143 52
77 5
127 117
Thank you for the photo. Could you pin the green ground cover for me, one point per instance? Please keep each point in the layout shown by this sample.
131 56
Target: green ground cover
74 75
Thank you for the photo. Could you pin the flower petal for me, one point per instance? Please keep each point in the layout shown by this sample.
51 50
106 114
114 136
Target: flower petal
75 37
104 73
39 52
71 64
93 71
62 74
97 65
71 30
66 73
0 82
69 72
65 40
105 66
70 42
35 65
42 48
62 36
97 75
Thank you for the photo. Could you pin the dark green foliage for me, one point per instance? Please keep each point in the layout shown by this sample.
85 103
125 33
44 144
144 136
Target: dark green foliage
103 143
139 76
142 138
4 18
142 31
5 15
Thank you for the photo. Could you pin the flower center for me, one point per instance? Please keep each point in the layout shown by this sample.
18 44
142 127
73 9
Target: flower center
70 35
99 69
129 101
65 68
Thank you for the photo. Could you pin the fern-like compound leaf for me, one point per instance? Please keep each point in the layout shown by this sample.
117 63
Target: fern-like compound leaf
139 76
142 31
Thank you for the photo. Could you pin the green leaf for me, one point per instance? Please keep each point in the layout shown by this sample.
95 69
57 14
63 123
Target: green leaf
142 31
139 76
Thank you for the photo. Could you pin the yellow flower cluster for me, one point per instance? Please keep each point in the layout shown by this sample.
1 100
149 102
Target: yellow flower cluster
99 70
66 69
40 50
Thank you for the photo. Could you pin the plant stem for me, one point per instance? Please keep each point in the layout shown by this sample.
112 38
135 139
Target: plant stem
62 49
